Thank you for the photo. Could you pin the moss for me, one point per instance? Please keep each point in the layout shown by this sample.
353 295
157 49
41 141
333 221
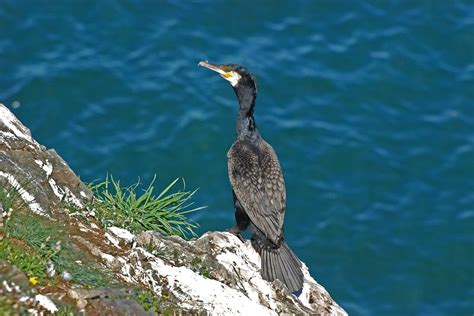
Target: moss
163 304
50 242
205 272
196 261
198 265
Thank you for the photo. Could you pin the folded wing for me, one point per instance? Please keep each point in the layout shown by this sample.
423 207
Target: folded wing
257 180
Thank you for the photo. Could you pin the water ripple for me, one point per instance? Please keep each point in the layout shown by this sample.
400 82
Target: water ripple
369 107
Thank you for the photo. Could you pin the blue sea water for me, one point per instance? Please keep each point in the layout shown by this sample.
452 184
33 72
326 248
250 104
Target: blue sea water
369 105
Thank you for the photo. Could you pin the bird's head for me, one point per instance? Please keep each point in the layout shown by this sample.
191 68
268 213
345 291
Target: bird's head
238 76
242 81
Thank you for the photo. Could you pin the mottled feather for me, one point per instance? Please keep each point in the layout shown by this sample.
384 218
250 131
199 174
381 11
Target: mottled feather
257 180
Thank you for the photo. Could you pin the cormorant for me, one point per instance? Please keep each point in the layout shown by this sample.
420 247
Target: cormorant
258 185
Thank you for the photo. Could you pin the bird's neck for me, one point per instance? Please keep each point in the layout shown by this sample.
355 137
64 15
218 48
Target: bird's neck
246 97
246 127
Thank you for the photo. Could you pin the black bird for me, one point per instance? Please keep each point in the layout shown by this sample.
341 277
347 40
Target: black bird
258 185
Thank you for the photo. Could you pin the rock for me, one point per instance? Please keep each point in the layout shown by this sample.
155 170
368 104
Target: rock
42 178
225 276
13 277
81 303
16 290
97 293
119 307
66 276
107 301
216 273
119 236
46 303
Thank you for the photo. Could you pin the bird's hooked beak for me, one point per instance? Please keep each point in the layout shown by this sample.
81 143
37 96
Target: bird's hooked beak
229 75
212 67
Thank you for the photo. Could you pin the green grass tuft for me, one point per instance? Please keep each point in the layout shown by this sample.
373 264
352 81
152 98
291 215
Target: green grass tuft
87 273
67 310
50 242
124 207
10 198
26 260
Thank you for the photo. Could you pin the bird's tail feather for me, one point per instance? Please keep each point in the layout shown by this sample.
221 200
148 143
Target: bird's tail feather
282 264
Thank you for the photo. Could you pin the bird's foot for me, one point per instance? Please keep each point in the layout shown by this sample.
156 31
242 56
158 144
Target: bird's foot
236 231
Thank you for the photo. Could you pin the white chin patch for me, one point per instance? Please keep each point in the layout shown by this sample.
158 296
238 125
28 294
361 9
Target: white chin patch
234 79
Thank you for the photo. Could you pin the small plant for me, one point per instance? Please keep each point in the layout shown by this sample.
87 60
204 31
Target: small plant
199 266
196 261
49 244
166 213
148 300
25 259
162 304
10 199
67 310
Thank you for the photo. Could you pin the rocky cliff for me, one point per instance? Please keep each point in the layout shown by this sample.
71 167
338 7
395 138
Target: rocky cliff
104 270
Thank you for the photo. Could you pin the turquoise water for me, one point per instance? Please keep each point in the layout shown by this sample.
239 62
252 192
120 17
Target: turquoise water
369 106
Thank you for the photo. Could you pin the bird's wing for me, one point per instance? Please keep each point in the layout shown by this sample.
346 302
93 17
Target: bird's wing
258 183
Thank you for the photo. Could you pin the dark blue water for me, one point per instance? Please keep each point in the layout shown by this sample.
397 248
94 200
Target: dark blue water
369 105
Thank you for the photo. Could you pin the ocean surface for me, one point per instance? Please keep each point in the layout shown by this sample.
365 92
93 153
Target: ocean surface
369 105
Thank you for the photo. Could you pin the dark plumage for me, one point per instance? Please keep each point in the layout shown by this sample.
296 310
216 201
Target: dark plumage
258 185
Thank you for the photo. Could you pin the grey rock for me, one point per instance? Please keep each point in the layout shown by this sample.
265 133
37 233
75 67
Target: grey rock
215 273
66 276
119 307
16 291
13 275
41 176
97 293
81 303
50 269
